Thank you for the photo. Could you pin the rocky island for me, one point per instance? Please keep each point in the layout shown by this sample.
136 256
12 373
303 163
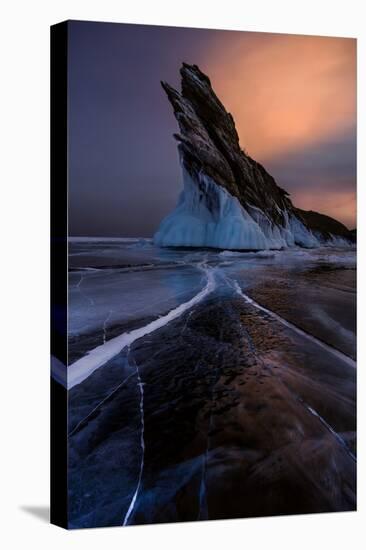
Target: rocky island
229 201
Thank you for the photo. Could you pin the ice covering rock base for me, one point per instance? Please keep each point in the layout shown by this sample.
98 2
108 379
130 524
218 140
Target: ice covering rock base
229 200
208 216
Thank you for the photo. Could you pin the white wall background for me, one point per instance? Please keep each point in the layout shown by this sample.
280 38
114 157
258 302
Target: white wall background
24 304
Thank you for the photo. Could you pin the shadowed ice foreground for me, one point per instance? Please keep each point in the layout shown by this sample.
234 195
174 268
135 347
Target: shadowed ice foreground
207 384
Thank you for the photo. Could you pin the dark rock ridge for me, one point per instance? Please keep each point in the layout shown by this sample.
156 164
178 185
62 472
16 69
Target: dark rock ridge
211 156
326 226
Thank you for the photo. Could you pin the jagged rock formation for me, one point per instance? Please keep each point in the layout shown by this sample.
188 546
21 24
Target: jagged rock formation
325 228
229 200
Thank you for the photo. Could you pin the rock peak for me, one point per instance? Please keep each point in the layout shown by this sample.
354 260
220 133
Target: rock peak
211 144
215 166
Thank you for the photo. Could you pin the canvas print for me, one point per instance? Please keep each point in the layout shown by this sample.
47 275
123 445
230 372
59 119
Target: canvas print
211 319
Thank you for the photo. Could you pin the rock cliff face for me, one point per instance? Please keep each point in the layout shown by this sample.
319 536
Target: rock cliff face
229 200
327 229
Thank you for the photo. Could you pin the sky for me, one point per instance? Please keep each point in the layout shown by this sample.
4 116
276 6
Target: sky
293 99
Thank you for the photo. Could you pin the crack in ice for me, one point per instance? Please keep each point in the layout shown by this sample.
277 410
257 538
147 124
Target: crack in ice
95 358
335 352
330 429
348 360
140 384
83 420
203 488
105 326
78 286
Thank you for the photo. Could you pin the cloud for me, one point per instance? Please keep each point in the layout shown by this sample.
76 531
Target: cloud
285 90
321 176
293 99
333 160
338 204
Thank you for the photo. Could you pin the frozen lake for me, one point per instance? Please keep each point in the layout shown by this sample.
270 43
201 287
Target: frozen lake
207 384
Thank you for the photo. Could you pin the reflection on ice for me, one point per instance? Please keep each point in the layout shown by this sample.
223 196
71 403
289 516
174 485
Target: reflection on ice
141 283
199 376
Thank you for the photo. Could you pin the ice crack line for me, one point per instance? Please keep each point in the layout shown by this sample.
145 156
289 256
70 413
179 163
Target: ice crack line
105 326
205 457
78 286
331 430
203 488
85 419
140 384
203 491
84 367
296 329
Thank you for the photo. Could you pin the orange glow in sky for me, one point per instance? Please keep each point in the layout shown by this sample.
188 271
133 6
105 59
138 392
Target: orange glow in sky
288 93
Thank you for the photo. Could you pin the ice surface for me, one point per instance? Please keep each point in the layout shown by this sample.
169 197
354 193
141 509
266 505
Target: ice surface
82 368
109 308
174 359
208 216
102 298
348 360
